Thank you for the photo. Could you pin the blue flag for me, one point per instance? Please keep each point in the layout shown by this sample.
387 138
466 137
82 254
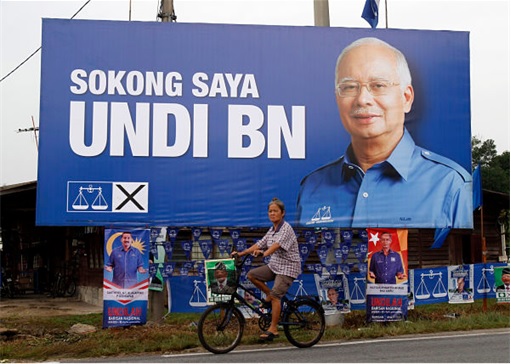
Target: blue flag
370 12
440 236
477 187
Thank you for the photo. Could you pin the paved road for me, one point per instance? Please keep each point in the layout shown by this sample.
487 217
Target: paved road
483 346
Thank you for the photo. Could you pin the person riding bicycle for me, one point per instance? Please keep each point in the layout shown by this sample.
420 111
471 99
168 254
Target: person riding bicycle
284 266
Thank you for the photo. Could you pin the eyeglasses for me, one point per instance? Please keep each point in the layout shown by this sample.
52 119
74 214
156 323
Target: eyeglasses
375 88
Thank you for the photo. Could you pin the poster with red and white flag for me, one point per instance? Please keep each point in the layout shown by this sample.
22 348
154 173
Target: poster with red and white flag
387 275
125 279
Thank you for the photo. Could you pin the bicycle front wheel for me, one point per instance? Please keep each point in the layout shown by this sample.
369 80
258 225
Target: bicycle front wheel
220 328
304 323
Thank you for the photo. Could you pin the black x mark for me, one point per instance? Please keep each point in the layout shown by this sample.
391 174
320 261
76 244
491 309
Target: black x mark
129 197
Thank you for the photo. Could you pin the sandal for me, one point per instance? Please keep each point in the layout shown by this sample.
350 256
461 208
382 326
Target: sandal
268 336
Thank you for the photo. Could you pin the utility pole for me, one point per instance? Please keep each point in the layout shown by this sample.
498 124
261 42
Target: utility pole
167 13
156 299
321 13
35 129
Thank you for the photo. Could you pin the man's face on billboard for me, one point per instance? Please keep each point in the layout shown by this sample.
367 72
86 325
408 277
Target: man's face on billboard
366 116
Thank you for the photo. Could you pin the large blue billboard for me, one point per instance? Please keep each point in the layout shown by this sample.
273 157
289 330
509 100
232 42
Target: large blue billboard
202 125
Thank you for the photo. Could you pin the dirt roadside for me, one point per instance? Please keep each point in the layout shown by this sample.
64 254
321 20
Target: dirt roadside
42 305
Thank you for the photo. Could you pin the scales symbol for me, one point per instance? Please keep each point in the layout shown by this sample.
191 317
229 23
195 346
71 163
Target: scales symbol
301 290
198 298
439 290
81 203
484 284
357 295
323 213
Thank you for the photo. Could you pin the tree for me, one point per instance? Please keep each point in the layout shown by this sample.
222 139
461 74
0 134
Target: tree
483 152
494 167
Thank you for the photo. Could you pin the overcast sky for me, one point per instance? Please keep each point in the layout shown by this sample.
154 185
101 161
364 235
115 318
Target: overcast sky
20 28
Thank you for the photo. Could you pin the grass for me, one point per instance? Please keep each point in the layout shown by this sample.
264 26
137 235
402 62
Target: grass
46 338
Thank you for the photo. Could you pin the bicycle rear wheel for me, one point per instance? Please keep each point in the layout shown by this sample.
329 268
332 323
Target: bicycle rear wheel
70 288
220 328
61 287
304 323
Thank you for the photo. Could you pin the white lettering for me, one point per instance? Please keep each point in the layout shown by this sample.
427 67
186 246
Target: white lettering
181 144
134 83
77 128
173 88
233 83
249 87
244 123
225 85
197 80
294 137
76 77
175 130
154 83
121 123
200 131
218 86
115 84
97 82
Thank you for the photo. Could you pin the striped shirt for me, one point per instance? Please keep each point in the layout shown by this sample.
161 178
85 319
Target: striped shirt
285 260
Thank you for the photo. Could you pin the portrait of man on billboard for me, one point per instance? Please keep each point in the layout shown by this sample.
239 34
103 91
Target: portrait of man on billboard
384 179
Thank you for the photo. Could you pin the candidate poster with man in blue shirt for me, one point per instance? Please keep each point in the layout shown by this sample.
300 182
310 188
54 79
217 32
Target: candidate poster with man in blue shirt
207 129
125 279
387 275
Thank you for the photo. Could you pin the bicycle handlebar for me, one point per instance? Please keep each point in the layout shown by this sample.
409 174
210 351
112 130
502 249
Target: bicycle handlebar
239 261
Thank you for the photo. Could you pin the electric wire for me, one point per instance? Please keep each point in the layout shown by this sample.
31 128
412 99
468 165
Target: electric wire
38 49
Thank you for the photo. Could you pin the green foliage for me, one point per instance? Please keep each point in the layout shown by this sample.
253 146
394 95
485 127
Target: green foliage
483 152
494 167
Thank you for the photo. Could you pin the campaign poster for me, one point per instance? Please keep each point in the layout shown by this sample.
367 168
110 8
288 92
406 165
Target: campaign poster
220 279
502 284
125 279
253 299
461 283
387 275
333 293
429 286
231 116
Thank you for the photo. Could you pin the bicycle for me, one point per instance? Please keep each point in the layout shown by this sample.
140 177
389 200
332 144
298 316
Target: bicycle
220 327
64 283
57 287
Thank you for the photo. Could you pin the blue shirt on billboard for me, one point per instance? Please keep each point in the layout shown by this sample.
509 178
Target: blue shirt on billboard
125 264
386 267
412 188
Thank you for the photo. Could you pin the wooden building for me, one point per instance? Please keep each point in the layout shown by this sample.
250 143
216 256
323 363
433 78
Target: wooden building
35 254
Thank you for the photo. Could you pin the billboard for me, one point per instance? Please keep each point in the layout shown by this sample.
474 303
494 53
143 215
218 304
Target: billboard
166 124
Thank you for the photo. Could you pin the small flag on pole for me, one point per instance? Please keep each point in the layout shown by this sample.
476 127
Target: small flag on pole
477 187
370 12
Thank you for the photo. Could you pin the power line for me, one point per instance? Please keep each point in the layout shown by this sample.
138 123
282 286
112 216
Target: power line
38 49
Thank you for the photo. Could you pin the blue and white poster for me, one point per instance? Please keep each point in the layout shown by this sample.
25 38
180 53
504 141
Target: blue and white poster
126 277
461 283
207 129
333 293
